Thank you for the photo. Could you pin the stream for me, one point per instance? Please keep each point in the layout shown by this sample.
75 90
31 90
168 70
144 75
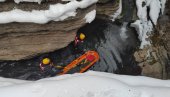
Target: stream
114 41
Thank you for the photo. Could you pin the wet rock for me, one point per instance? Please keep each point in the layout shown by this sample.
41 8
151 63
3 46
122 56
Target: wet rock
141 55
154 70
153 61
103 1
164 30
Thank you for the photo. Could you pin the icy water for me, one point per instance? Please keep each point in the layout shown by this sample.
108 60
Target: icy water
115 43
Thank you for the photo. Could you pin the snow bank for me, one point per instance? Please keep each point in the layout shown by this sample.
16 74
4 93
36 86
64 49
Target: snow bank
143 28
90 84
90 16
144 25
9 82
18 1
56 12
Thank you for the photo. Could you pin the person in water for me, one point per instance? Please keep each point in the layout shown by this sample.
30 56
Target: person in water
48 68
78 42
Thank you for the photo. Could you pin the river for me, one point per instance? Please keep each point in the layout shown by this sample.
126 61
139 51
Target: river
115 42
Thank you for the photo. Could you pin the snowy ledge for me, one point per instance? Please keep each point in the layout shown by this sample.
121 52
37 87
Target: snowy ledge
56 12
90 84
18 1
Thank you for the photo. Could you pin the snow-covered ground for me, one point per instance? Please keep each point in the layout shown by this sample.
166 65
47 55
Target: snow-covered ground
89 84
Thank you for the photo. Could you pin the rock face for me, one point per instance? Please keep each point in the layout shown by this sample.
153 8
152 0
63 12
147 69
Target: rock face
154 62
106 8
167 25
23 40
165 30
157 63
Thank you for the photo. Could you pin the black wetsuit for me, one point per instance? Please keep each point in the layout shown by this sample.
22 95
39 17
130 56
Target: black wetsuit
50 70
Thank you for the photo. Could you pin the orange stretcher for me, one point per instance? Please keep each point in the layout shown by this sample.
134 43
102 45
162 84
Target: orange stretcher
85 61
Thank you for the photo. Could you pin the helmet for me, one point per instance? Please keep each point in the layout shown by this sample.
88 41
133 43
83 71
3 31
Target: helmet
46 61
82 36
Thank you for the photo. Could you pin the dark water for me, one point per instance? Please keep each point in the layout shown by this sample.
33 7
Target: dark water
115 43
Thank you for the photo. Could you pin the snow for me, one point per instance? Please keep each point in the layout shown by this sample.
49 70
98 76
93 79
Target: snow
18 1
90 16
56 12
2 0
144 26
118 12
89 84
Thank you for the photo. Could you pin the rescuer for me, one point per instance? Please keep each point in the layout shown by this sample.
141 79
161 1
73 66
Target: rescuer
79 39
47 67
79 42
